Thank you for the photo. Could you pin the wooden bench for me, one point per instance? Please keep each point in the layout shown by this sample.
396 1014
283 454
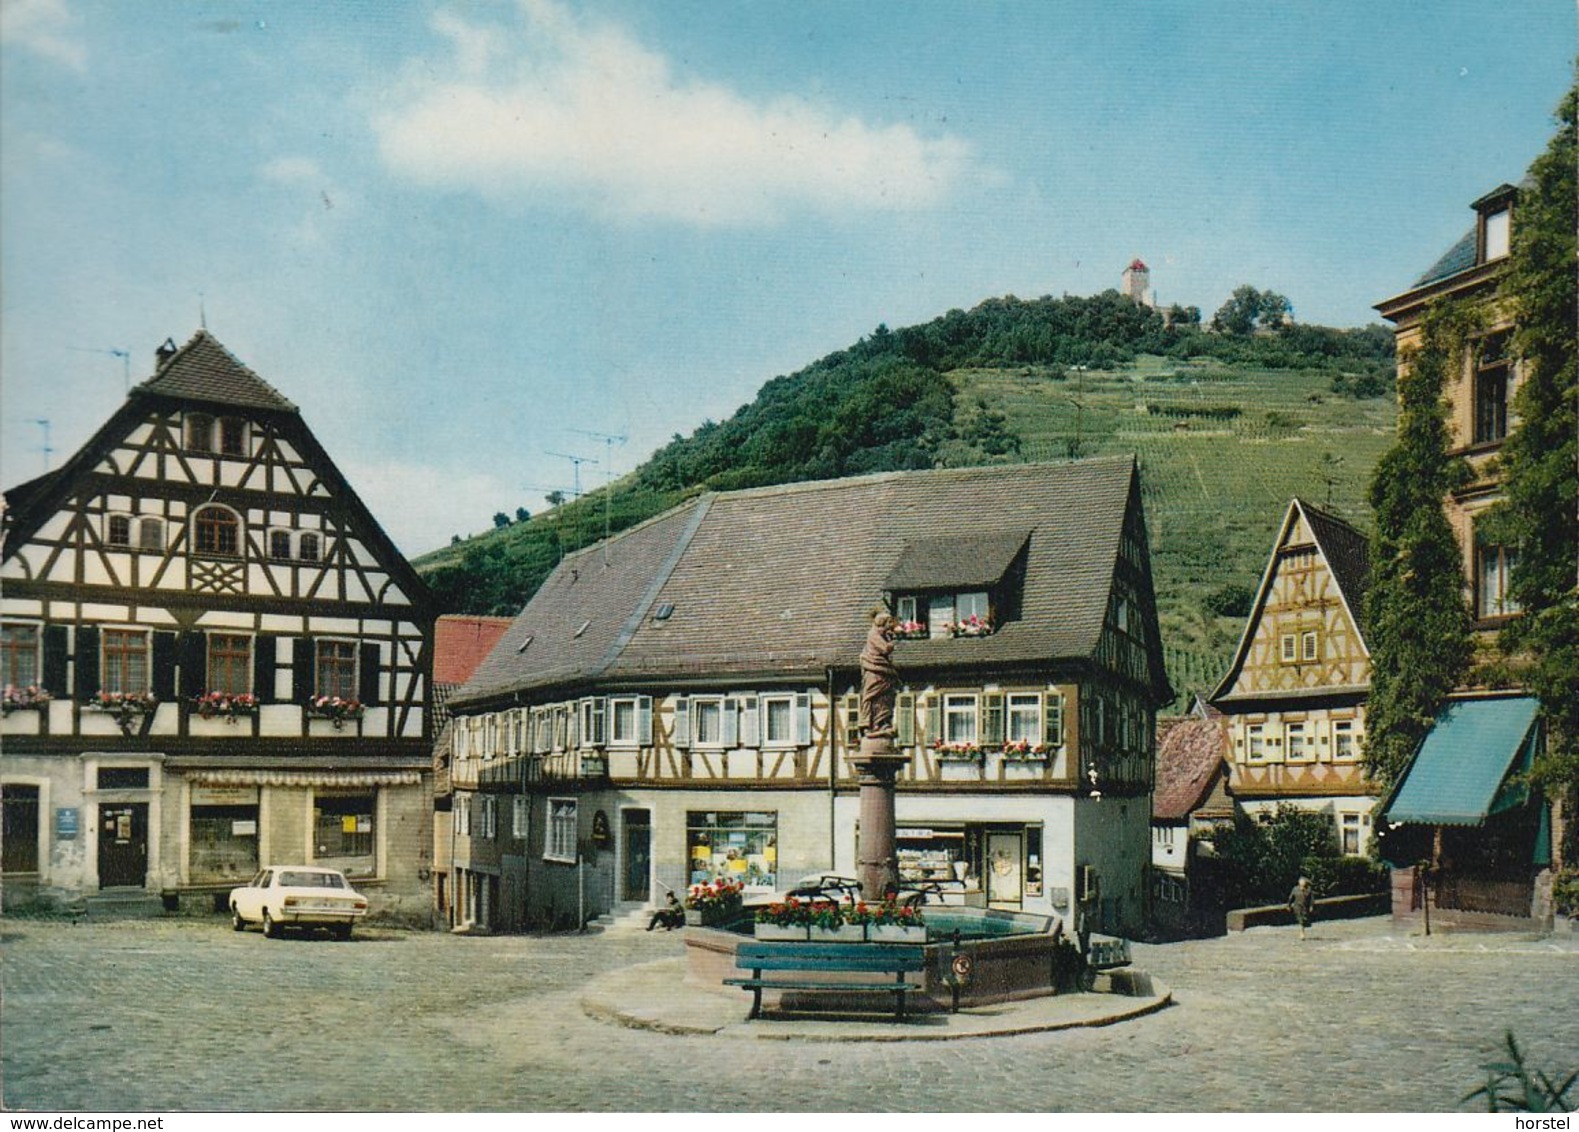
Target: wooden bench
810 959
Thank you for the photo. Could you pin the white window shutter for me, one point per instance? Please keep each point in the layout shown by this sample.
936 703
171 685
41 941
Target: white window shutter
803 720
644 720
682 721
750 722
731 721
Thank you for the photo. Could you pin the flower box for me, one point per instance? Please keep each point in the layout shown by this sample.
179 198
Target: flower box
844 933
970 627
334 709
957 752
895 933
911 631
31 698
225 705
780 933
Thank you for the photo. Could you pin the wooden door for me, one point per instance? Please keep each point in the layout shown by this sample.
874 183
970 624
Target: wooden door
638 855
123 845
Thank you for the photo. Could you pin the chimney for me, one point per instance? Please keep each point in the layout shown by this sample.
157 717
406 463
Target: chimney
164 353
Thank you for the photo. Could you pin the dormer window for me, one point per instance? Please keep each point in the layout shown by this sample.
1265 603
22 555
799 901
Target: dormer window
307 548
216 530
1497 234
957 585
118 530
280 545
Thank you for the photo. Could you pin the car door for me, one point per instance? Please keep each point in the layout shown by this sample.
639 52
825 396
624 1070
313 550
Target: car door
249 901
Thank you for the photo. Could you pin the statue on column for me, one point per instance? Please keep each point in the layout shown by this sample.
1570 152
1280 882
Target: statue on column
879 678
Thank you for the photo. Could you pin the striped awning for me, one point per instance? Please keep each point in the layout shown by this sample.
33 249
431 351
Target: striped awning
303 778
1460 774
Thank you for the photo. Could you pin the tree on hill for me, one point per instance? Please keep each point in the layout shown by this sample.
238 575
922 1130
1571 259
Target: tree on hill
1248 309
1540 459
1419 627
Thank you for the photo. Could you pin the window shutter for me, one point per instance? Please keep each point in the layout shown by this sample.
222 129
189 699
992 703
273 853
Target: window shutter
905 719
600 723
303 679
164 654
644 720
573 736
851 711
992 719
54 665
1053 719
87 662
934 718
803 720
682 721
264 658
367 674
750 722
194 664
731 721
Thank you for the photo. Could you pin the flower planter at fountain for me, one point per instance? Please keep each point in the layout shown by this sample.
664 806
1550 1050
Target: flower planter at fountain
895 933
780 933
844 933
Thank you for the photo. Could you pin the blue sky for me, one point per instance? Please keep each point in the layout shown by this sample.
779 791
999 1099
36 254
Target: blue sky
457 233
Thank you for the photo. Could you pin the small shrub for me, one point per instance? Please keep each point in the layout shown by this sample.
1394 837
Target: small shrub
1565 892
1231 600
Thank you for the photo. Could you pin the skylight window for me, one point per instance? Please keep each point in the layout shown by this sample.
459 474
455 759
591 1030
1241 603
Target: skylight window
664 611
584 626
523 645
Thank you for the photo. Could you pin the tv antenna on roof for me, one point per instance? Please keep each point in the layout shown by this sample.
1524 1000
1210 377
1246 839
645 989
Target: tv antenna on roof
576 462
44 424
126 363
609 442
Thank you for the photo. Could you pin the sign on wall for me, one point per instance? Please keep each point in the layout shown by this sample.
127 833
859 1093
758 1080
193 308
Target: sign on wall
66 823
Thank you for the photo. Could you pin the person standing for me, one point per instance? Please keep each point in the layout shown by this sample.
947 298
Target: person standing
1300 901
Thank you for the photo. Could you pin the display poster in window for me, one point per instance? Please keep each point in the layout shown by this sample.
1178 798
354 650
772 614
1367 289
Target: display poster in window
243 829
348 824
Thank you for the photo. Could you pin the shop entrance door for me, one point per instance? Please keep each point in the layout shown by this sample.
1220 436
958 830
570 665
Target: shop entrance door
123 845
1005 869
638 855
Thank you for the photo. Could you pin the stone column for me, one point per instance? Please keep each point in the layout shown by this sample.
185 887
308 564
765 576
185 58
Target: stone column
879 765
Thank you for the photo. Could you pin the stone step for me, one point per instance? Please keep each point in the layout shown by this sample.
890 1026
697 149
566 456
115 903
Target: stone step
121 904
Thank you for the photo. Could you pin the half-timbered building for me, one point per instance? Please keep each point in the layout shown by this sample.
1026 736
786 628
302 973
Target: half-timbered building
214 658
679 704
1294 695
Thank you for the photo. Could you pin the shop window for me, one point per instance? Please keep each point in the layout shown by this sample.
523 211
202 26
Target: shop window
124 666
233 436
19 656
216 530
229 663
561 844
199 432
1494 581
224 842
18 828
118 530
343 828
150 534
1033 860
336 669
734 846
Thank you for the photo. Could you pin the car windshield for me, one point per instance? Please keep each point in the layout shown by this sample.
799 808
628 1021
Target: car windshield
311 880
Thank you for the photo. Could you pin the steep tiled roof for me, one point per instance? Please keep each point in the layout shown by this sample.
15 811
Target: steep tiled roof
1348 554
1189 756
780 580
958 562
1460 257
460 643
203 370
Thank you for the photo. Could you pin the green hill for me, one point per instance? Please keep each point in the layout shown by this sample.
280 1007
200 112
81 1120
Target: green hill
1227 428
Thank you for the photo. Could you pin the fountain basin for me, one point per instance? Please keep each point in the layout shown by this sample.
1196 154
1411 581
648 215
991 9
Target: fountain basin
1011 956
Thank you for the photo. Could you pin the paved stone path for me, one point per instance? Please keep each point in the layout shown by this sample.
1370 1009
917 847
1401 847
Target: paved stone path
177 1015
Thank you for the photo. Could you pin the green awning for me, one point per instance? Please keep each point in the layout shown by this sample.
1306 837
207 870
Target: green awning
1460 774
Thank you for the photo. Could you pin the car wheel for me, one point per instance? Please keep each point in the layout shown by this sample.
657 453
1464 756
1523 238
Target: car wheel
270 928
237 924
342 931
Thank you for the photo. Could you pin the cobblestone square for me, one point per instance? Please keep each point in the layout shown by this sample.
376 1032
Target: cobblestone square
180 1015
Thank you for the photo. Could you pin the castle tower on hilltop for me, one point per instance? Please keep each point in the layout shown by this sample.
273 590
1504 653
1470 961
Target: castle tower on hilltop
1135 283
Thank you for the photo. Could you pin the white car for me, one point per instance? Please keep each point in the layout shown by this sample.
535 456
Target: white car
304 896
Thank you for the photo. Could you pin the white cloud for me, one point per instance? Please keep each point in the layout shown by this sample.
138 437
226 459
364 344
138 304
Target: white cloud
590 114
42 27
294 171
